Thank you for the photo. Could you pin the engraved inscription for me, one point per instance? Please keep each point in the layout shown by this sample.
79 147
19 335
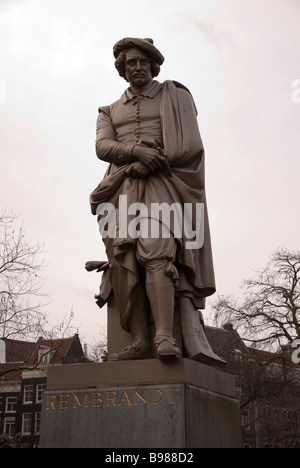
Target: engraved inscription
110 398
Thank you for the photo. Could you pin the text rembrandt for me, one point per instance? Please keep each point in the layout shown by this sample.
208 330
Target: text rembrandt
110 398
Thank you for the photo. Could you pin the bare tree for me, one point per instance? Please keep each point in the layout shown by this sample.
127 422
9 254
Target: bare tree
98 351
22 315
269 314
268 390
20 281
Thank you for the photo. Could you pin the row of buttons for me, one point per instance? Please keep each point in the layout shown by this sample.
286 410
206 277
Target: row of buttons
137 102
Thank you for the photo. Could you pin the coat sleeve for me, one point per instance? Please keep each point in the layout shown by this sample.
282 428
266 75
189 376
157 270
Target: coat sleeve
107 147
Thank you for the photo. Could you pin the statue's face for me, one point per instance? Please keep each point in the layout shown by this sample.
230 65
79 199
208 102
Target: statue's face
138 68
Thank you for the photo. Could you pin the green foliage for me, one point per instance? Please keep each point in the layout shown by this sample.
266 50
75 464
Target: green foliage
10 442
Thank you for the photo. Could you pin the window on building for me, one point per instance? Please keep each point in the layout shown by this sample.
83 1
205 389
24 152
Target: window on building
37 423
11 404
28 394
45 355
40 388
9 426
237 355
290 420
245 419
26 423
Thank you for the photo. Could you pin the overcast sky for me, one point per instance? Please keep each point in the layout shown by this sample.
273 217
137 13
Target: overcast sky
239 59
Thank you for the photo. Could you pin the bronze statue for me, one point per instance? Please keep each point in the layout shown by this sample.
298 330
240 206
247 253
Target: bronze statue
151 140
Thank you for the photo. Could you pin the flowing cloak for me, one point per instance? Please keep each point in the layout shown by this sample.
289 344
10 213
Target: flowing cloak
185 154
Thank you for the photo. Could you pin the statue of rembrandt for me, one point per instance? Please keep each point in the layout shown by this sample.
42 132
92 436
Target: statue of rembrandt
151 140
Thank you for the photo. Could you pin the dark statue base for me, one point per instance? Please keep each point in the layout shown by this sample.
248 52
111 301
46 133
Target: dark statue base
140 404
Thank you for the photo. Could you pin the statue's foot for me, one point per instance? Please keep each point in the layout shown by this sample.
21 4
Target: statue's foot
166 348
135 351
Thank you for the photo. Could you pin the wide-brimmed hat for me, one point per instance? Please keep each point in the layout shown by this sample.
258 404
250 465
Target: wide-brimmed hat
146 45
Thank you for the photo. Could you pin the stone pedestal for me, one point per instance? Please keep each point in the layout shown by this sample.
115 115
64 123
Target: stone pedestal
140 404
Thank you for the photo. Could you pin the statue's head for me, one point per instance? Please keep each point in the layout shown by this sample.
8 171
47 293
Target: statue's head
146 46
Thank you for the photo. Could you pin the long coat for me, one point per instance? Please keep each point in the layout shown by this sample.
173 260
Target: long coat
185 154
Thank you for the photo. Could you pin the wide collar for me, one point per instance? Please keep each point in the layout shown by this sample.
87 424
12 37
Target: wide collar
150 92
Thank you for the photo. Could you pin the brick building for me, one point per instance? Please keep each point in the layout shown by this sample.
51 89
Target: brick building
23 379
268 388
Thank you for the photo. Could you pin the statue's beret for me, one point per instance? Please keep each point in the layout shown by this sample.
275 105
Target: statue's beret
146 45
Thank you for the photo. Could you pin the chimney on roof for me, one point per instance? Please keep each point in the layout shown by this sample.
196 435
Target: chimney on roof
2 352
228 326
